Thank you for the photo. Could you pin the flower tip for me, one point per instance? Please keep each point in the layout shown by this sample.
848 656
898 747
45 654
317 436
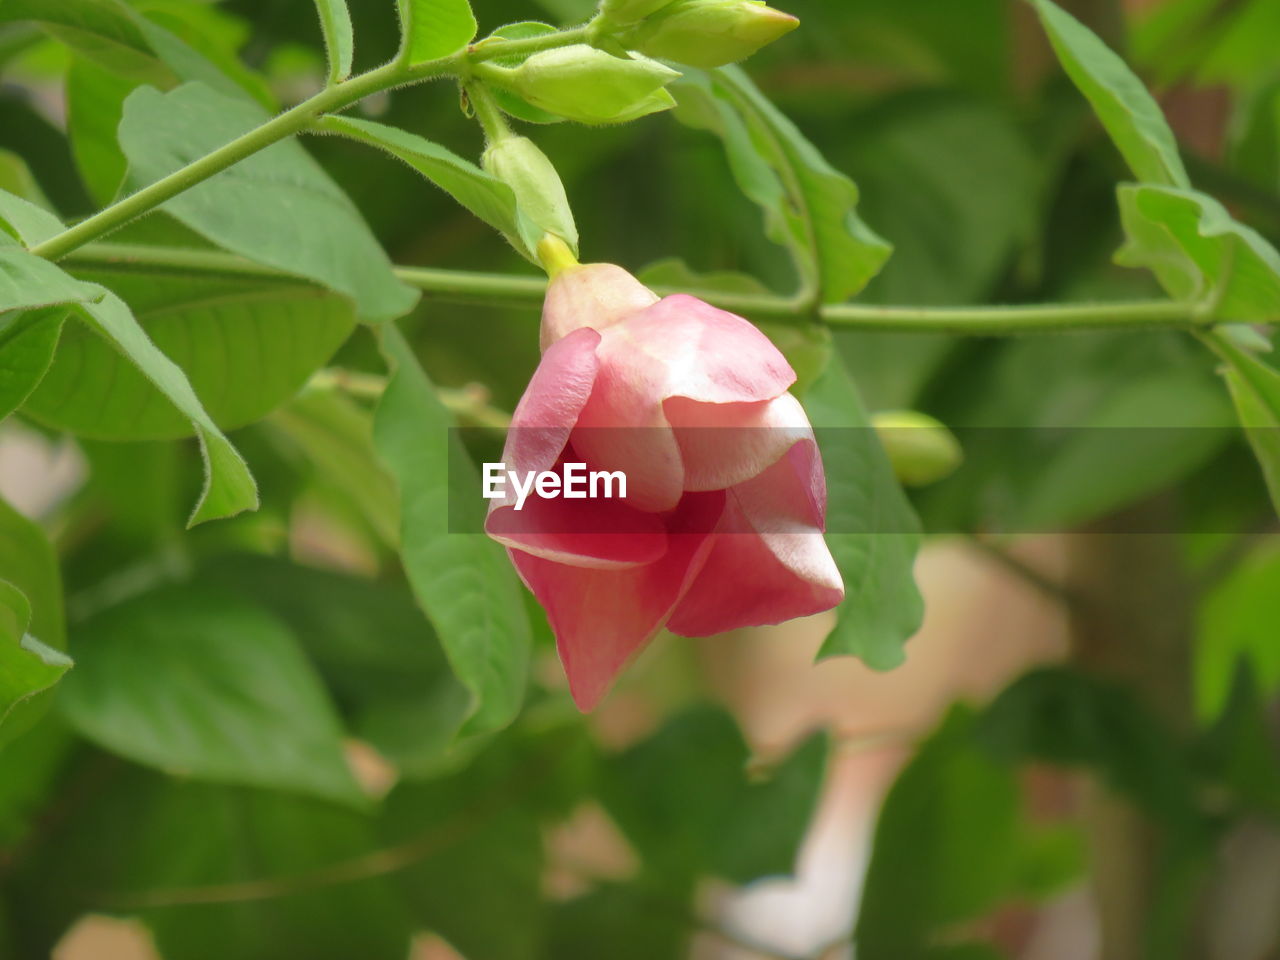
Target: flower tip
555 255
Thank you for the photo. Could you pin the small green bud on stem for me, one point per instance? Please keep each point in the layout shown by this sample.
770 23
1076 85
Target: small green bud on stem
708 33
540 196
921 450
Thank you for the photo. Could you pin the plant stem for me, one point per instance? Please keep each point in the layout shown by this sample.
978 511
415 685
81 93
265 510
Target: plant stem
495 289
331 99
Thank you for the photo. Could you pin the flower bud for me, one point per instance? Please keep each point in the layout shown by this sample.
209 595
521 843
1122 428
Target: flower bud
540 196
584 84
709 33
921 450
629 11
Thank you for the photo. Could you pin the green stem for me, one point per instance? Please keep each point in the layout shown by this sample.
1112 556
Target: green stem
331 99
458 286
488 113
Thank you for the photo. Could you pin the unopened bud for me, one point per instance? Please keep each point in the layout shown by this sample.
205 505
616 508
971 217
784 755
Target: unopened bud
921 450
584 84
540 196
629 11
708 33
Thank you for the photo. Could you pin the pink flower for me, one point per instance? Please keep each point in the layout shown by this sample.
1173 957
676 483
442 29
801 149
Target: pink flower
722 523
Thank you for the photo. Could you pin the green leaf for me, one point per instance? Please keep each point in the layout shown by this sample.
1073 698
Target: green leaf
336 435
27 666
1255 389
245 349
1123 105
374 649
335 24
1199 253
687 799
28 223
29 565
486 196
204 683
876 532
326 239
435 28
463 581
945 846
809 206
213 872
228 486
27 281
95 105
637 922
27 343
1234 624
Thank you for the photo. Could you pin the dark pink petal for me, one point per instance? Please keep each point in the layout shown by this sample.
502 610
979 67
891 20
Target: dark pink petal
604 618
769 563
598 533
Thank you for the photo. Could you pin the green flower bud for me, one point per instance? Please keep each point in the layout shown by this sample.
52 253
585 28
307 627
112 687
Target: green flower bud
709 33
629 11
587 85
921 450
540 196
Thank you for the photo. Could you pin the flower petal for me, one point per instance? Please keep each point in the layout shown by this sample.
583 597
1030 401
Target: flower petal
597 533
724 444
604 618
594 295
769 563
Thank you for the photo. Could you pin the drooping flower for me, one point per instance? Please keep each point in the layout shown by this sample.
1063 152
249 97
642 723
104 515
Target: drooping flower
721 526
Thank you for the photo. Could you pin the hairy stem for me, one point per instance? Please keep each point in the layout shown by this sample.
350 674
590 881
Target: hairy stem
460 286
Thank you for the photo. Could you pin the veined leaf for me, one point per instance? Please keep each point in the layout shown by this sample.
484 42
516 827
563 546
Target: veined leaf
200 681
27 666
1199 253
276 207
486 196
27 343
435 28
463 581
809 206
1123 105
882 607
335 24
246 348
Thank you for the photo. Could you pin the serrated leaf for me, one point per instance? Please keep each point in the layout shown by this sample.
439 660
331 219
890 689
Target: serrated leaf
877 533
486 196
435 28
29 566
1123 105
1199 253
463 581
339 41
27 666
323 238
245 348
204 683
809 206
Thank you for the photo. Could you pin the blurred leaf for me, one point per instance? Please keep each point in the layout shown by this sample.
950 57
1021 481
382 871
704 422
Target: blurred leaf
327 241
876 531
1210 40
463 581
945 847
1060 716
1130 114
687 799
1255 389
1236 622
1255 147
1199 253
95 106
214 872
339 42
1051 857
31 765
374 649
487 197
1240 749
638 923
809 206
27 343
16 178
435 28
244 347
28 563
27 666
201 682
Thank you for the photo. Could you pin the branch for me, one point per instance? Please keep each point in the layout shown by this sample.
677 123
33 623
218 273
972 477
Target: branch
495 289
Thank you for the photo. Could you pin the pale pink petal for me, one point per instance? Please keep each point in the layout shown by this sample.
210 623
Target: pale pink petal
598 533
723 444
604 618
769 562
595 295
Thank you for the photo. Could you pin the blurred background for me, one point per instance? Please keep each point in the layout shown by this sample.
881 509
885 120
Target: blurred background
1076 758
